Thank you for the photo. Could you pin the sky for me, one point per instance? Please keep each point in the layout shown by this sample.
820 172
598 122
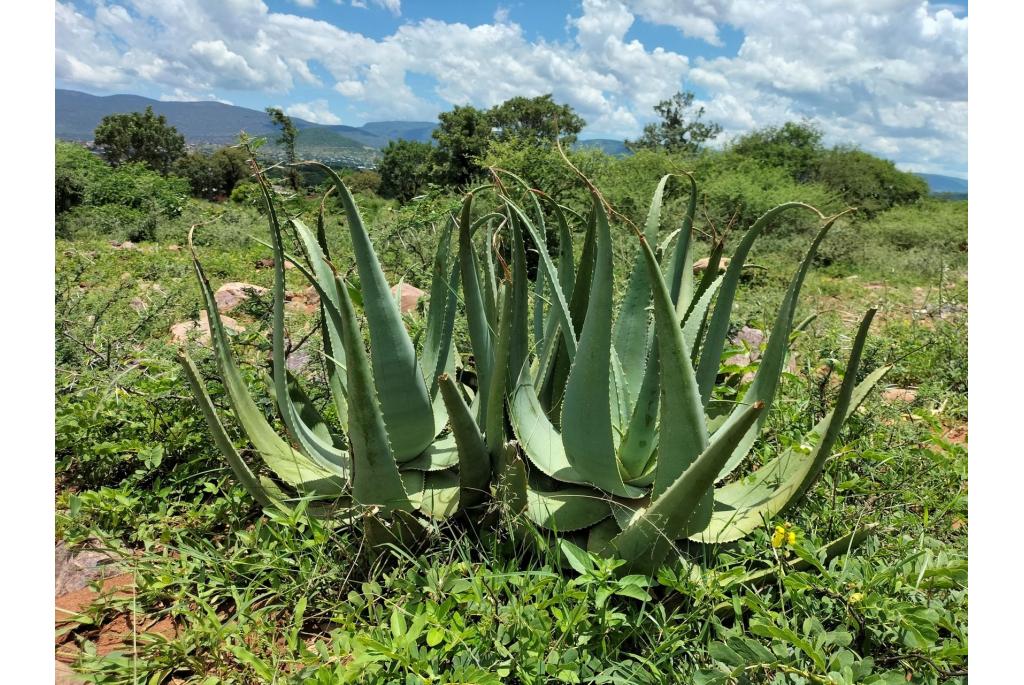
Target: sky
889 76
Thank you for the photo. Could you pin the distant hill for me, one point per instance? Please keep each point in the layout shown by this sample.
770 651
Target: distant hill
616 148
402 130
945 185
214 123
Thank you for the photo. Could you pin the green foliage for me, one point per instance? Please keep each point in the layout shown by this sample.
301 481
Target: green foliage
135 186
289 134
405 169
212 175
75 170
679 130
737 190
867 182
364 181
794 146
462 136
535 121
140 137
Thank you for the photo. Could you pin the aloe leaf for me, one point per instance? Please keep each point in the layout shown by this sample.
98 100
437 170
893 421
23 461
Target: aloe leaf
553 385
404 400
744 505
698 315
494 430
601 534
718 327
649 536
566 509
680 274
511 482
375 477
266 496
480 332
710 274
766 381
631 325
437 340
439 496
324 278
474 462
541 443
683 435
640 438
559 302
324 453
308 414
586 415
291 466
442 454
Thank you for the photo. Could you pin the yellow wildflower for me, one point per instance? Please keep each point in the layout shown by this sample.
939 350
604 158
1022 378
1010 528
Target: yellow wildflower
856 597
779 537
791 538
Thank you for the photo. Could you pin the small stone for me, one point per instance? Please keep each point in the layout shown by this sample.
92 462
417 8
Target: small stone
174 248
230 295
181 331
701 265
409 297
907 395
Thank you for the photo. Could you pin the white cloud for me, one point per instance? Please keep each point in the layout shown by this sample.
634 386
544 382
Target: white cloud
316 111
305 3
889 75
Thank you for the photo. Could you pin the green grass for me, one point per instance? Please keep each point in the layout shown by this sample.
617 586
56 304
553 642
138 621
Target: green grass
264 597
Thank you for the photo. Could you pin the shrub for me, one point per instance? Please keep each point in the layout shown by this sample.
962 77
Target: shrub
869 183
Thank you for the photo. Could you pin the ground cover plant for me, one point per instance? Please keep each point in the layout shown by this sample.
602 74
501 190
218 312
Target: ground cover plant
260 594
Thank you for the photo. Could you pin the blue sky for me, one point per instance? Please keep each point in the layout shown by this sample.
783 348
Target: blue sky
887 75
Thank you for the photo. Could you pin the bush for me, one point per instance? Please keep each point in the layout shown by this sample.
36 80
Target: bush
75 170
111 222
738 190
134 185
363 181
867 182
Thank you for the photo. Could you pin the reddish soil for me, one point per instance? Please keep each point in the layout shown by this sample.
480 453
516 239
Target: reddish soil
114 634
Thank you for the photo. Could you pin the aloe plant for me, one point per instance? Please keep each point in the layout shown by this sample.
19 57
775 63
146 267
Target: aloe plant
602 428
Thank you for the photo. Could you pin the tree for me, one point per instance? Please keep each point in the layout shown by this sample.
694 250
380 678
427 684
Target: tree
287 140
232 164
794 146
212 175
462 136
405 168
678 130
535 121
139 137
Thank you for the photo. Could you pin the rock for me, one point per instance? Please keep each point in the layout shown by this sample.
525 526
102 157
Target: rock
75 569
750 339
305 302
298 360
409 298
230 295
126 245
181 331
174 248
907 395
267 263
701 265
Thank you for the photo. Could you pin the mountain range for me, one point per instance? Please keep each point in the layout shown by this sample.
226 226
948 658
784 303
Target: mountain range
215 123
